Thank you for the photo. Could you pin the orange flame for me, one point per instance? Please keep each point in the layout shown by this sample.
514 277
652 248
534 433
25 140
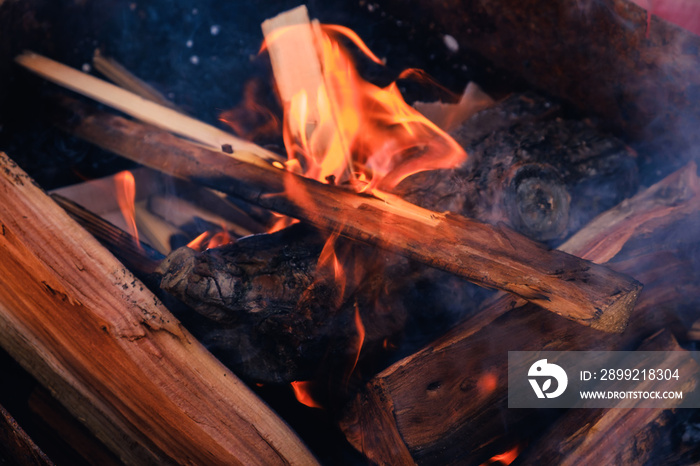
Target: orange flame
209 240
126 198
360 337
302 394
358 132
504 458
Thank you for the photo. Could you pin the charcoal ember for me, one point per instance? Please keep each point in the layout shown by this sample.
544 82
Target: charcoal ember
277 315
543 175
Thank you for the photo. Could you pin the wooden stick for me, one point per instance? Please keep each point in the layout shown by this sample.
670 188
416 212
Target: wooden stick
444 396
115 72
491 256
110 352
144 110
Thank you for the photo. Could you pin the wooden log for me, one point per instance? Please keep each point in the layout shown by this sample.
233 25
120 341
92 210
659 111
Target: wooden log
447 404
108 350
493 256
610 58
541 173
618 435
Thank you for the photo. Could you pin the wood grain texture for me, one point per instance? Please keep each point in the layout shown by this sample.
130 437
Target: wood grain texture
492 256
106 348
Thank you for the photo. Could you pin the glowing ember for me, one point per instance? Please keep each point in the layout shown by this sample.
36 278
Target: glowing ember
126 198
487 383
358 133
504 458
301 392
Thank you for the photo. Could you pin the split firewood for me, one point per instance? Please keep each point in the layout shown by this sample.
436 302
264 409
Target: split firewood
143 109
617 435
109 351
122 77
544 176
493 256
647 235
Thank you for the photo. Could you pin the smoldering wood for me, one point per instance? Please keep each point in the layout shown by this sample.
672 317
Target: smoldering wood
609 58
109 351
493 256
541 174
279 314
616 436
444 377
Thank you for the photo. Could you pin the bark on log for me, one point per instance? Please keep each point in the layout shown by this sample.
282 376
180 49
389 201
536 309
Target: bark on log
543 175
491 256
278 316
112 354
447 405
609 58
614 436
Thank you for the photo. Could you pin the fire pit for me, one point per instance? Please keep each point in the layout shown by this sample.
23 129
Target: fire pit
363 265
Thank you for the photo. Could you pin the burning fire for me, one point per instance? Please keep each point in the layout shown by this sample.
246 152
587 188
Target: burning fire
358 133
208 240
504 458
126 198
302 393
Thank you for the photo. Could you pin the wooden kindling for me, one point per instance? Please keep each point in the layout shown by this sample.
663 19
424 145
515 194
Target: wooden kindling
493 256
112 354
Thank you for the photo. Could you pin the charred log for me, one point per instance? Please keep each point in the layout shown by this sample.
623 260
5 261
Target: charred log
544 176
280 312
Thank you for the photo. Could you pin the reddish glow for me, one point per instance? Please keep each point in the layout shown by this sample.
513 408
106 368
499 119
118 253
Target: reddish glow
358 133
504 458
487 383
301 392
126 198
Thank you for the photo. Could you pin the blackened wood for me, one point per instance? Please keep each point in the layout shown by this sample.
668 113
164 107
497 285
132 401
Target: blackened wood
541 174
277 314
493 256
449 405
637 72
